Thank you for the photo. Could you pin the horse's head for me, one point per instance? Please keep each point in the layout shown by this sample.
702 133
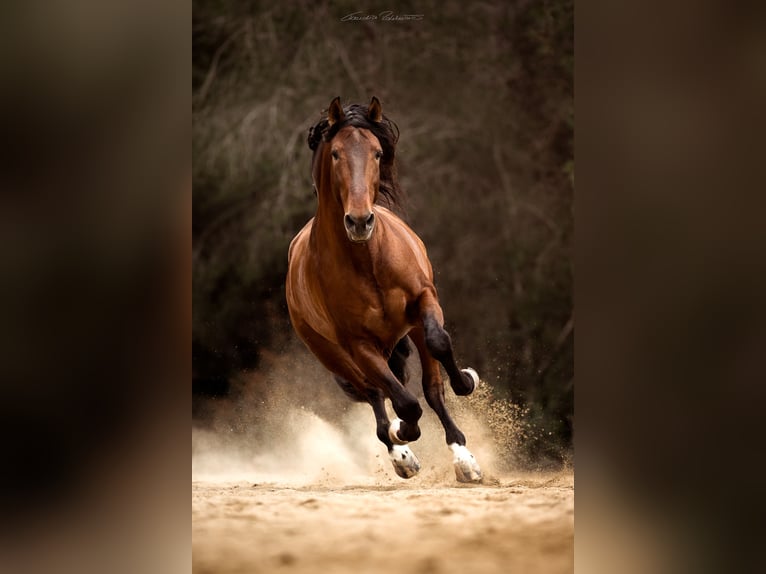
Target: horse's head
354 154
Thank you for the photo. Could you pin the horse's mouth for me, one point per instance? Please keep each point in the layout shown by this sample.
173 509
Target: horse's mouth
361 238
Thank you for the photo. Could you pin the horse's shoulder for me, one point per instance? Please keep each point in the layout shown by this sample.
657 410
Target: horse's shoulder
409 243
398 224
299 238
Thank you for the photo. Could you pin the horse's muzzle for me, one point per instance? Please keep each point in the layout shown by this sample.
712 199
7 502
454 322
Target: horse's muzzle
359 229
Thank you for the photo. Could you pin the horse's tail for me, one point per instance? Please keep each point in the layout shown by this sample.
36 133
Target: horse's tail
396 363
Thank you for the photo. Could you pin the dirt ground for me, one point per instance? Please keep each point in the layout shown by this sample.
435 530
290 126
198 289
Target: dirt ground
292 479
522 523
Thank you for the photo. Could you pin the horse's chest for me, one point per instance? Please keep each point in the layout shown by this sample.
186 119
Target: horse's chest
375 310
385 311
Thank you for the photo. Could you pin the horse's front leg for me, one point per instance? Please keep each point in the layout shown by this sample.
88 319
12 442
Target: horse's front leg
434 343
466 467
357 385
377 372
405 462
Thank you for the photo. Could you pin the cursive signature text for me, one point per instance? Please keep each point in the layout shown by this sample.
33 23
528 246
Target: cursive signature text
385 16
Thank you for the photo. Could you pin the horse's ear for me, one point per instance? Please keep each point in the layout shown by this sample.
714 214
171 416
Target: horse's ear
335 113
374 111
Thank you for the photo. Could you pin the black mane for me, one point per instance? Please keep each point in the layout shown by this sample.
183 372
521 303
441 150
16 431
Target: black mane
387 132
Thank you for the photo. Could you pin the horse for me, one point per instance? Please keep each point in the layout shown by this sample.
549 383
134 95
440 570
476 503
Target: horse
360 286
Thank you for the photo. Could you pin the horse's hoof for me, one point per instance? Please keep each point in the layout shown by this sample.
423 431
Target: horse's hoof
393 432
474 377
405 462
466 467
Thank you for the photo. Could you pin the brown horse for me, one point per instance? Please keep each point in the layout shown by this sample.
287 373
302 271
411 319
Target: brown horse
360 284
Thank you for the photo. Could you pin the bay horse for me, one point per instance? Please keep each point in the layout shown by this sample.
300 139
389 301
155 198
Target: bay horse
360 284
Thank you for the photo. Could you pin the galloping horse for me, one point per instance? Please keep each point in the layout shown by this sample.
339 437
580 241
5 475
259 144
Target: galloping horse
359 284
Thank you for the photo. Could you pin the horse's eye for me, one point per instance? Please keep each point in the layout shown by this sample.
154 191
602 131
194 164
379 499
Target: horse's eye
378 154
335 154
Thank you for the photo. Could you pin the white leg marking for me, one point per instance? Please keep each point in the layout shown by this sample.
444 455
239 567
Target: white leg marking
466 467
405 462
393 429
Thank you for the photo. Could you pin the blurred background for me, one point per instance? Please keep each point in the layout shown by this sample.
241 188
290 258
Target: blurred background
482 93
671 313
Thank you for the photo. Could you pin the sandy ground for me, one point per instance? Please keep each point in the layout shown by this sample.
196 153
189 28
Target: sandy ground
522 523
291 478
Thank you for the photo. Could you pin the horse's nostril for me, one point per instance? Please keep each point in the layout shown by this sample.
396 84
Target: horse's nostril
359 223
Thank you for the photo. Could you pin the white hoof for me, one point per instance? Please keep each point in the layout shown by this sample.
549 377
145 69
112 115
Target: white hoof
466 467
405 462
473 374
393 429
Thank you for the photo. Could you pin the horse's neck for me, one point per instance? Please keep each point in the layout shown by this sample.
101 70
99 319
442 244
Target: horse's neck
328 224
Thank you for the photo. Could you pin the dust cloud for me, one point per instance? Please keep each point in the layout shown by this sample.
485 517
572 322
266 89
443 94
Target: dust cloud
289 423
288 476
